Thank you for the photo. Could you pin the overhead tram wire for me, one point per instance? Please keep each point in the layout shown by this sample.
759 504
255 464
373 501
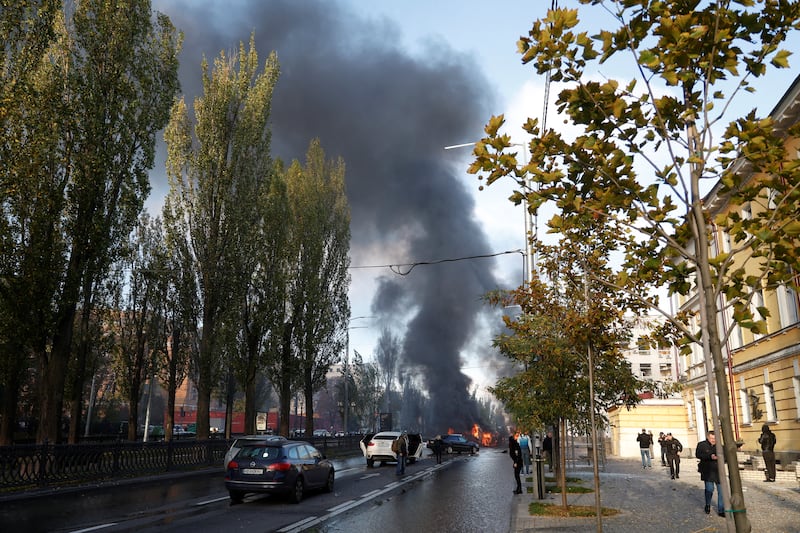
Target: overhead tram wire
403 269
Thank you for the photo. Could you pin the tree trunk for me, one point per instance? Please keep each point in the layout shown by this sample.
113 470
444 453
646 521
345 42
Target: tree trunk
308 391
52 376
250 402
8 412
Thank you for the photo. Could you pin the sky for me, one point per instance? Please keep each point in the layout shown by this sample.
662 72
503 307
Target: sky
386 86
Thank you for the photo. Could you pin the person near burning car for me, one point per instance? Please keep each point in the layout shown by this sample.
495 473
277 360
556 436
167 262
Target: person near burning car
402 453
438 446
516 456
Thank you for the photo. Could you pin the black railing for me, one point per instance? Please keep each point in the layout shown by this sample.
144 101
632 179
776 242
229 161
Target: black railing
36 466
30 466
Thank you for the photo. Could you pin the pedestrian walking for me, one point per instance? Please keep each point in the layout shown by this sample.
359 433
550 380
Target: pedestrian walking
674 449
547 450
438 445
706 451
516 456
652 441
525 447
402 453
645 440
767 440
662 441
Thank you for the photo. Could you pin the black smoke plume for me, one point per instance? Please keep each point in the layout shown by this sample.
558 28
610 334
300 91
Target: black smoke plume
388 113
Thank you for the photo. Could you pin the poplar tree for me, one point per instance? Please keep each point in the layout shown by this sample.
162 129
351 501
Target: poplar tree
84 141
217 168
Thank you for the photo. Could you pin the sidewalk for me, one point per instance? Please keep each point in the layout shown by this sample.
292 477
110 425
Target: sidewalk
650 501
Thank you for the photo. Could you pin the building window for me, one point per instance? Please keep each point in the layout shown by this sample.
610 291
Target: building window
645 369
758 301
796 384
769 402
787 306
744 399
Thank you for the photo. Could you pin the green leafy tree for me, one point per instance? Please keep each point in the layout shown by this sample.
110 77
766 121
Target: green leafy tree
320 229
90 104
644 155
215 179
138 324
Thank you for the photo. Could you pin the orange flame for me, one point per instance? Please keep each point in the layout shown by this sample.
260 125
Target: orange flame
476 431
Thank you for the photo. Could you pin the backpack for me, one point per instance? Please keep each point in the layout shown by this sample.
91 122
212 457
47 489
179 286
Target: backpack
396 445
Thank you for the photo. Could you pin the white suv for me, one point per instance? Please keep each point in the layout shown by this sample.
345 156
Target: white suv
378 447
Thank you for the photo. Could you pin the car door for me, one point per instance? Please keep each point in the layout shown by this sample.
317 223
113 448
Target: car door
311 466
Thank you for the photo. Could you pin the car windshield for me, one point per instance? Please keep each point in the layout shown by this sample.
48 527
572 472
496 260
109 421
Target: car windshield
259 452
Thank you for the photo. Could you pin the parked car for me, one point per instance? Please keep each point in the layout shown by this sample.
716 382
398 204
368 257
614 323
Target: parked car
322 433
239 442
457 443
378 447
278 466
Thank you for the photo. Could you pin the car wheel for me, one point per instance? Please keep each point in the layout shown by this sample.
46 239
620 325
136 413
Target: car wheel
370 463
329 484
236 496
449 449
296 495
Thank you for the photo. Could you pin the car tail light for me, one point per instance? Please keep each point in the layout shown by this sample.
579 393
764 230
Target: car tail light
233 465
371 443
280 467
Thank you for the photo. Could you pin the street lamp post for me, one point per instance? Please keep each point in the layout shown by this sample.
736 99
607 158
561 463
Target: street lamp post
347 371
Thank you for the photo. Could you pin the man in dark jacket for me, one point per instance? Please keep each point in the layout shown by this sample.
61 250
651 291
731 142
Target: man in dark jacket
645 440
674 449
709 472
515 453
767 440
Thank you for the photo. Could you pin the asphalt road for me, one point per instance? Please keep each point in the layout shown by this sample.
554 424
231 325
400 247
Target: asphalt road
470 492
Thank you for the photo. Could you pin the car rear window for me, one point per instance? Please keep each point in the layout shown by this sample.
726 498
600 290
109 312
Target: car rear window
384 437
259 452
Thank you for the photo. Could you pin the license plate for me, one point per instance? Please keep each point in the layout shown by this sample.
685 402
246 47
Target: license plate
252 471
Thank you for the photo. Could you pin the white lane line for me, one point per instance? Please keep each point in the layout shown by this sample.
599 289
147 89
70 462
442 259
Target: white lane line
367 476
332 509
199 504
95 528
341 508
299 526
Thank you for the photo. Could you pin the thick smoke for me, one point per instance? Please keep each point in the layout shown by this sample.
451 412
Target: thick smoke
345 80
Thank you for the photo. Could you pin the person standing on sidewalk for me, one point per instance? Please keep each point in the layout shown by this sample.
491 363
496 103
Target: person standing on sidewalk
515 453
547 450
674 449
644 448
767 440
706 451
662 441
525 447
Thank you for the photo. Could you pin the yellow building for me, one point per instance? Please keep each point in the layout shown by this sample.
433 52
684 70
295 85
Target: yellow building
763 370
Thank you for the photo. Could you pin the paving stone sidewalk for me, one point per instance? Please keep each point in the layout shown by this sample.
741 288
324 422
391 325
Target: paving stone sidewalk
650 501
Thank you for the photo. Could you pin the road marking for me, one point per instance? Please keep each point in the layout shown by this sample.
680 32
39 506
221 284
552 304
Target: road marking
299 526
95 528
367 476
332 509
199 504
346 506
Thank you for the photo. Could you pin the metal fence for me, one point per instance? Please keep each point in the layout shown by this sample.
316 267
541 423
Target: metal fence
34 466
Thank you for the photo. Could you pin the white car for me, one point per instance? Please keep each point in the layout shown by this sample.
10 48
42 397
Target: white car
238 442
378 447
322 433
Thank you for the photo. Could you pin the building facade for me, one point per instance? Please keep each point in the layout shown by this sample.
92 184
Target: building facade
762 369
